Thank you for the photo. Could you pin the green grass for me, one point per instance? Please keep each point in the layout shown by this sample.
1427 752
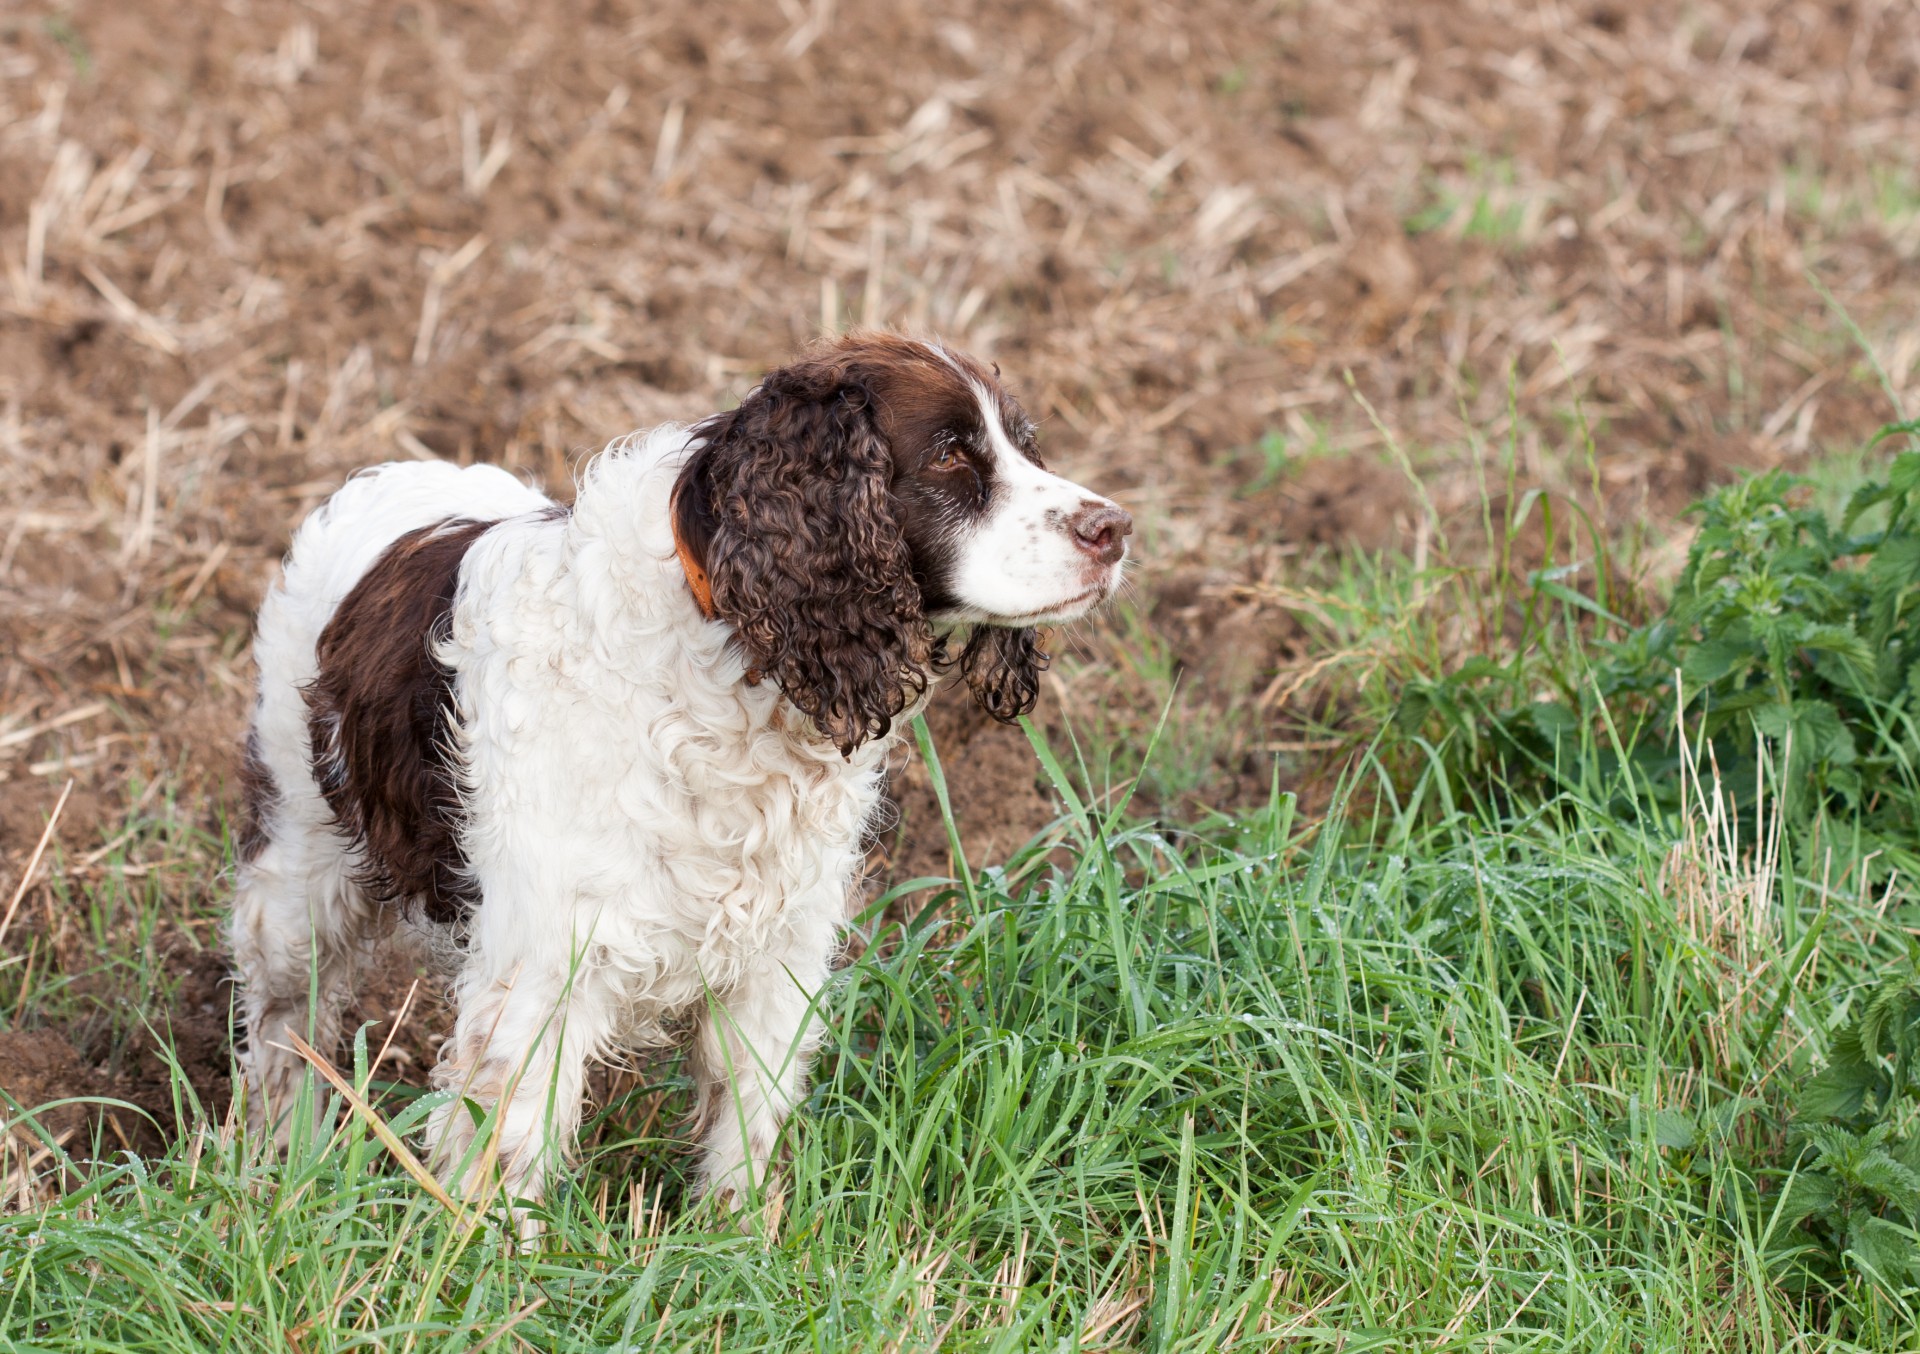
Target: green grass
1134 682
1482 1059
1887 197
1483 202
93 964
1484 1085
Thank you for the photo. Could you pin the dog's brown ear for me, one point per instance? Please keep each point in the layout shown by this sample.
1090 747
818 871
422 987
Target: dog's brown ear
1003 668
787 506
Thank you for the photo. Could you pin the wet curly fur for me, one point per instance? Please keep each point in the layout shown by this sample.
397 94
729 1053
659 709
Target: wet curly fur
790 504
1002 668
789 498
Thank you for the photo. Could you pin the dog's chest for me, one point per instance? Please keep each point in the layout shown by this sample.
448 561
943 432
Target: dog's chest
698 822
742 847
621 768
753 826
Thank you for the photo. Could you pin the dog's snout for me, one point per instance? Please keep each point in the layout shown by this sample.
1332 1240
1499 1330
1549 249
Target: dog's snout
1101 530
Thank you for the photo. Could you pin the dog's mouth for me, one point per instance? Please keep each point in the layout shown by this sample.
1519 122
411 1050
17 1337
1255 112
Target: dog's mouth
1072 609
1098 586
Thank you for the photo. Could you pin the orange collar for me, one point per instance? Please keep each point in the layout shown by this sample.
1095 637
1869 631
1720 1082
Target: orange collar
697 581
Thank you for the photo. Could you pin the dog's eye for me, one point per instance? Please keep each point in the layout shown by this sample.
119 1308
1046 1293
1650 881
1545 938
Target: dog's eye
946 455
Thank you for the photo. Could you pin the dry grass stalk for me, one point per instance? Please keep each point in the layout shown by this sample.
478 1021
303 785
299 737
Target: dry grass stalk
1110 1321
1723 891
33 861
400 1152
22 1185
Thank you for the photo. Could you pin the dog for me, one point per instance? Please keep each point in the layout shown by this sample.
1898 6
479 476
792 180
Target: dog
623 755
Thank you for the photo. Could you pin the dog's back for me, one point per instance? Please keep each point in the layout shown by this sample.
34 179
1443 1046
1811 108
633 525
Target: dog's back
340 541
288 844
331 552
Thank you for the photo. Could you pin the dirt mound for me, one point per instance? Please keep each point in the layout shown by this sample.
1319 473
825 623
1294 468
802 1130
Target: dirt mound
122 1092
38 1068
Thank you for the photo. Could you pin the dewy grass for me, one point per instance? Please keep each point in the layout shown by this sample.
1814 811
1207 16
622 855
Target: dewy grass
1412 656
93 967
1138 680
1482 1087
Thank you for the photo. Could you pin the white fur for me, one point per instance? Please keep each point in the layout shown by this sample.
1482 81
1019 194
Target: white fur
654 839
1021 565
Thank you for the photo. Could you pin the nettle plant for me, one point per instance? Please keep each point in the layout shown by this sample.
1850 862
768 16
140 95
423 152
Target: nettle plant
1788 631
1852 1202
1793 635
1791 628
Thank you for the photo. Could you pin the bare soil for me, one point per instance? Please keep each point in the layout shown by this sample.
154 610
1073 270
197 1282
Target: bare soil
1225 248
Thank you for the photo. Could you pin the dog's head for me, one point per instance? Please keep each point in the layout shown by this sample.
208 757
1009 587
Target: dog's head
868 499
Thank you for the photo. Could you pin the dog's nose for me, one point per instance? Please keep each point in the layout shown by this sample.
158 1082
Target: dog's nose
1101 530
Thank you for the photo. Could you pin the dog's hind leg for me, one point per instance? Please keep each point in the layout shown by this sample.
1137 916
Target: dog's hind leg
298 927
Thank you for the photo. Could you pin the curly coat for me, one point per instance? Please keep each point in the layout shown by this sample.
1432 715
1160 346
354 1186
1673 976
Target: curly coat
624 753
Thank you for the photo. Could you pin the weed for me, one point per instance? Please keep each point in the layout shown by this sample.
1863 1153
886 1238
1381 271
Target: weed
1420 661
1486 203
62 31
1852 1198
1887 196
1275 455
1137 682
1787 625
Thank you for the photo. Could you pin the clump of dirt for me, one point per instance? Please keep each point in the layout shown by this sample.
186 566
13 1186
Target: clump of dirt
1349 502
39 1068
122 1093
144 1091
191 1033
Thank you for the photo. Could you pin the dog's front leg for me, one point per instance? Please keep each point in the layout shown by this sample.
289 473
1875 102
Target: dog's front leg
517 1062
750 1060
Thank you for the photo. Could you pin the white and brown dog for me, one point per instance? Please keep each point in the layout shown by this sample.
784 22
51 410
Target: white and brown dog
627 750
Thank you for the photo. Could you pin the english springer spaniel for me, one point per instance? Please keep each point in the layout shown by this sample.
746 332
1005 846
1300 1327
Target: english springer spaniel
625 752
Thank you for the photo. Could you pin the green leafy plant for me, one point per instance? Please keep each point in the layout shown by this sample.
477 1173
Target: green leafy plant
1870 1063
1789 627
1852 1203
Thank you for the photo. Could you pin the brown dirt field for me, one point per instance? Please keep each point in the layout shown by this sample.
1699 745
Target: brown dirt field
250 247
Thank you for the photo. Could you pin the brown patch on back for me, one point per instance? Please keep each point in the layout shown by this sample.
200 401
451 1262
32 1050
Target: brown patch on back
377 722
